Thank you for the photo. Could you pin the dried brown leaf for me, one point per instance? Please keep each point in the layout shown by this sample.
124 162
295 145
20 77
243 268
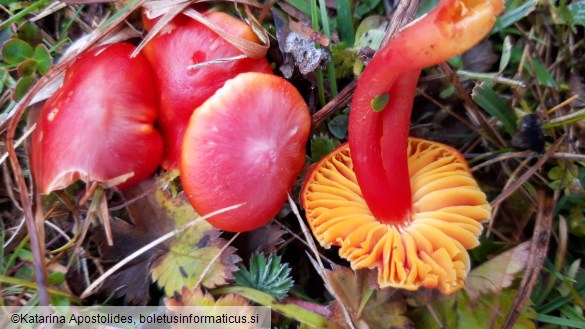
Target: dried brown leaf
265 239
368 307
249 48
497 273
148 223
196 297
480 58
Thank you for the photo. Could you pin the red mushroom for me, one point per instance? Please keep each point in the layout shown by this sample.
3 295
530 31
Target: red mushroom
246 143
100 124
185 42
407 207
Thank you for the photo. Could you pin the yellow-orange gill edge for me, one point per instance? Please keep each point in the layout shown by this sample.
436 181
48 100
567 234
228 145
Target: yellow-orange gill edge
429 250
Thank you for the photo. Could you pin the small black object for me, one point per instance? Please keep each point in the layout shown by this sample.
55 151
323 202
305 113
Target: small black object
529 135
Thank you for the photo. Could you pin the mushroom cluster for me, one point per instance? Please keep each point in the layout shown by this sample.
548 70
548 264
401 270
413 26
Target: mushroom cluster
404 206
246 129
185 42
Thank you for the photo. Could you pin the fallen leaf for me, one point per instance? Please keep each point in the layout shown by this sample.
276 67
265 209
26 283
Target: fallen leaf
457 312
480 58
265 239
192 251
492 310
497 273
178 262
213 308
368 306
148 223
196 297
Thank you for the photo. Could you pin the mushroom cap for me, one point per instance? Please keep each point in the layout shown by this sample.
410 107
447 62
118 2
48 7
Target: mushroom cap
185 42
100 124
246 143
429 249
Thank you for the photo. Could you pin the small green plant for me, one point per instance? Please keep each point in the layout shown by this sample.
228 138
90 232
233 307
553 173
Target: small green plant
25 56
266 274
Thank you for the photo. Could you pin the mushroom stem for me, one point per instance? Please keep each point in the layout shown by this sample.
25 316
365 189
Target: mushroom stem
381 106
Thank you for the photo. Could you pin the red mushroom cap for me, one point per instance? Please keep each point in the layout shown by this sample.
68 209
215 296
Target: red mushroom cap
99 125
185 42
245 144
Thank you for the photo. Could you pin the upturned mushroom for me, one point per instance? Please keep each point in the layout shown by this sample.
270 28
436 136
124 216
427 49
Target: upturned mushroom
99 126
404 206
183 43
245 144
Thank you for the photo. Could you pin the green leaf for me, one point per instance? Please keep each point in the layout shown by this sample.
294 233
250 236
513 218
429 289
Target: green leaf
565 119
3 77
338 126
129 5
514 14
27 68
291 310
22 86
301 5
577 11
345 22
43 58
322 145
492 309
192 251
506 54
15 51
542 75
371 32
444 310
497 273
426 6
379 102
29 33
458 312
491 102
268 275
56 278
366 6
561 322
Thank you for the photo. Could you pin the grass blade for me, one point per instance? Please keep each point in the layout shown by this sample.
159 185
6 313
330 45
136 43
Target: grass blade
345 22
491 102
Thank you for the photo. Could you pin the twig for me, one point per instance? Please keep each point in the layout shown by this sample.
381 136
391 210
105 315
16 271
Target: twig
19 141
317 264
509 182
89 290
337 103
470 105
216 61
563 104
14 235
297 237
403 14
538 250
514 186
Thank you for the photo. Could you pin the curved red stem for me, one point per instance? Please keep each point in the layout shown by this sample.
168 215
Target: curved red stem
378 140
